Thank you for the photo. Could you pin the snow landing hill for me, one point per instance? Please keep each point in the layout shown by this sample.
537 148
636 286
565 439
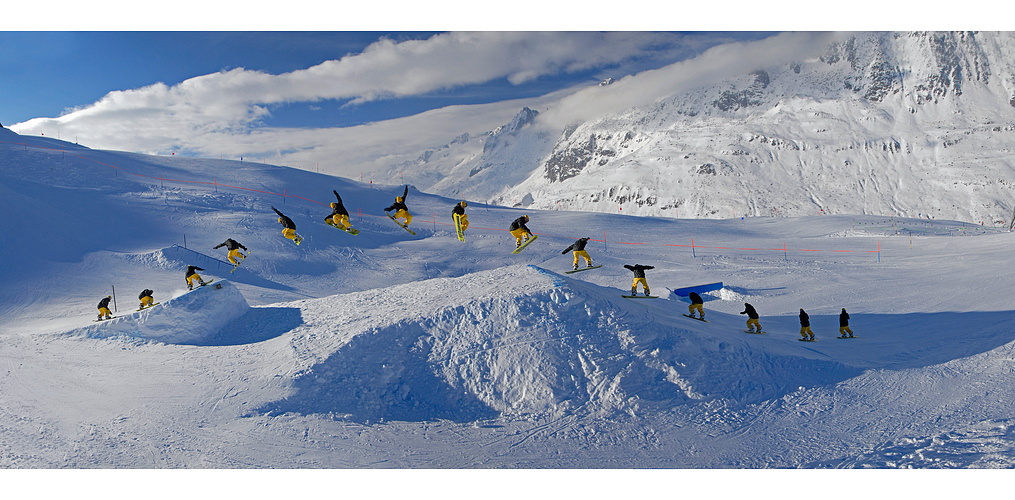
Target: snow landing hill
391 350
912 124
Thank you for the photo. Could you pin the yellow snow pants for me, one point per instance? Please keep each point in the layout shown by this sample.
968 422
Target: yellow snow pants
644 284
402 214
753 324
340 220
192 278
289 233
104 311
843 330
233 254
518 233
146 301
463 220
692 307
806 330
582 253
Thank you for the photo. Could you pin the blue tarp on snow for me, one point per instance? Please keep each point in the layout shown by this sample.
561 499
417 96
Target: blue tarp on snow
684 292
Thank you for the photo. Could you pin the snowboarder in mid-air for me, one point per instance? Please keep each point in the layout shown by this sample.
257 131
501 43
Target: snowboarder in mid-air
844 324
401 211
104 308
146 298
639 277
288 227
192 276
696 304
518 230
234 250
752 317
805 326
459 217
578 249
339 216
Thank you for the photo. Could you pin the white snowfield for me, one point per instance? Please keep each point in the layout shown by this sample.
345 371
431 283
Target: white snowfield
385 350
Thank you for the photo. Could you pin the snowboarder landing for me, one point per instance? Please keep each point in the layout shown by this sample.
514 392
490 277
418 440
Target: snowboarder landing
146 298
805 326
696 303
518 230
104 307
639 277
752 317
234 250
339 216
192 276
401 211
288 227
578 248
459 211
844 324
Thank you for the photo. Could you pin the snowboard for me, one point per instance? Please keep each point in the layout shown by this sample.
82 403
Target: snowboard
353 231
522 247
206 283
104 319
241 261
849 337
808 340
645 297
580 269
402 225
752 332
697 318
149 307
458 227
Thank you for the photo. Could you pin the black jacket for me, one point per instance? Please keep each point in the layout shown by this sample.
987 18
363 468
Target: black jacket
576 246
145 293
459 209
843 318
399 205
104 303
230 244
286 222
192 270
695 298
638 269
749 311
340 209
805 320
519 223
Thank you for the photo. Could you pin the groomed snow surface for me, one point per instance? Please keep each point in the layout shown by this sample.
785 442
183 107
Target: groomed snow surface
387 350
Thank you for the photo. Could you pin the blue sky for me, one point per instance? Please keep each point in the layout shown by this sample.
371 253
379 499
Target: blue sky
44 74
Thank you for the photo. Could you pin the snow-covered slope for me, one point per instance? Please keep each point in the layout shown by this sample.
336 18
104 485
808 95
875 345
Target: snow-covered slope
900 123
389 350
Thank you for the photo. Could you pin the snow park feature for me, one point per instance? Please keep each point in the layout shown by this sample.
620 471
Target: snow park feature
393 351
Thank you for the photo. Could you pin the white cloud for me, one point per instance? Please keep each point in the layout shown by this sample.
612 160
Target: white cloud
231 102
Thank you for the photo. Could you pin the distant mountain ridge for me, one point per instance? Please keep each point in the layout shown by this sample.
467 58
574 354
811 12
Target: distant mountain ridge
881 123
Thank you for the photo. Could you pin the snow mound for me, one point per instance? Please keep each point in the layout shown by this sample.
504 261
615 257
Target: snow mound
192 318
514 341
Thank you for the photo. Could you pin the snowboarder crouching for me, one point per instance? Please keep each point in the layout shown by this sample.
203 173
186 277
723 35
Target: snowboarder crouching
805 325
844 324
234 250
288 227
696 303
752 317
192 276
104 307
146 298
518 230
339 215
459 210
639 277
578 248
401 211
